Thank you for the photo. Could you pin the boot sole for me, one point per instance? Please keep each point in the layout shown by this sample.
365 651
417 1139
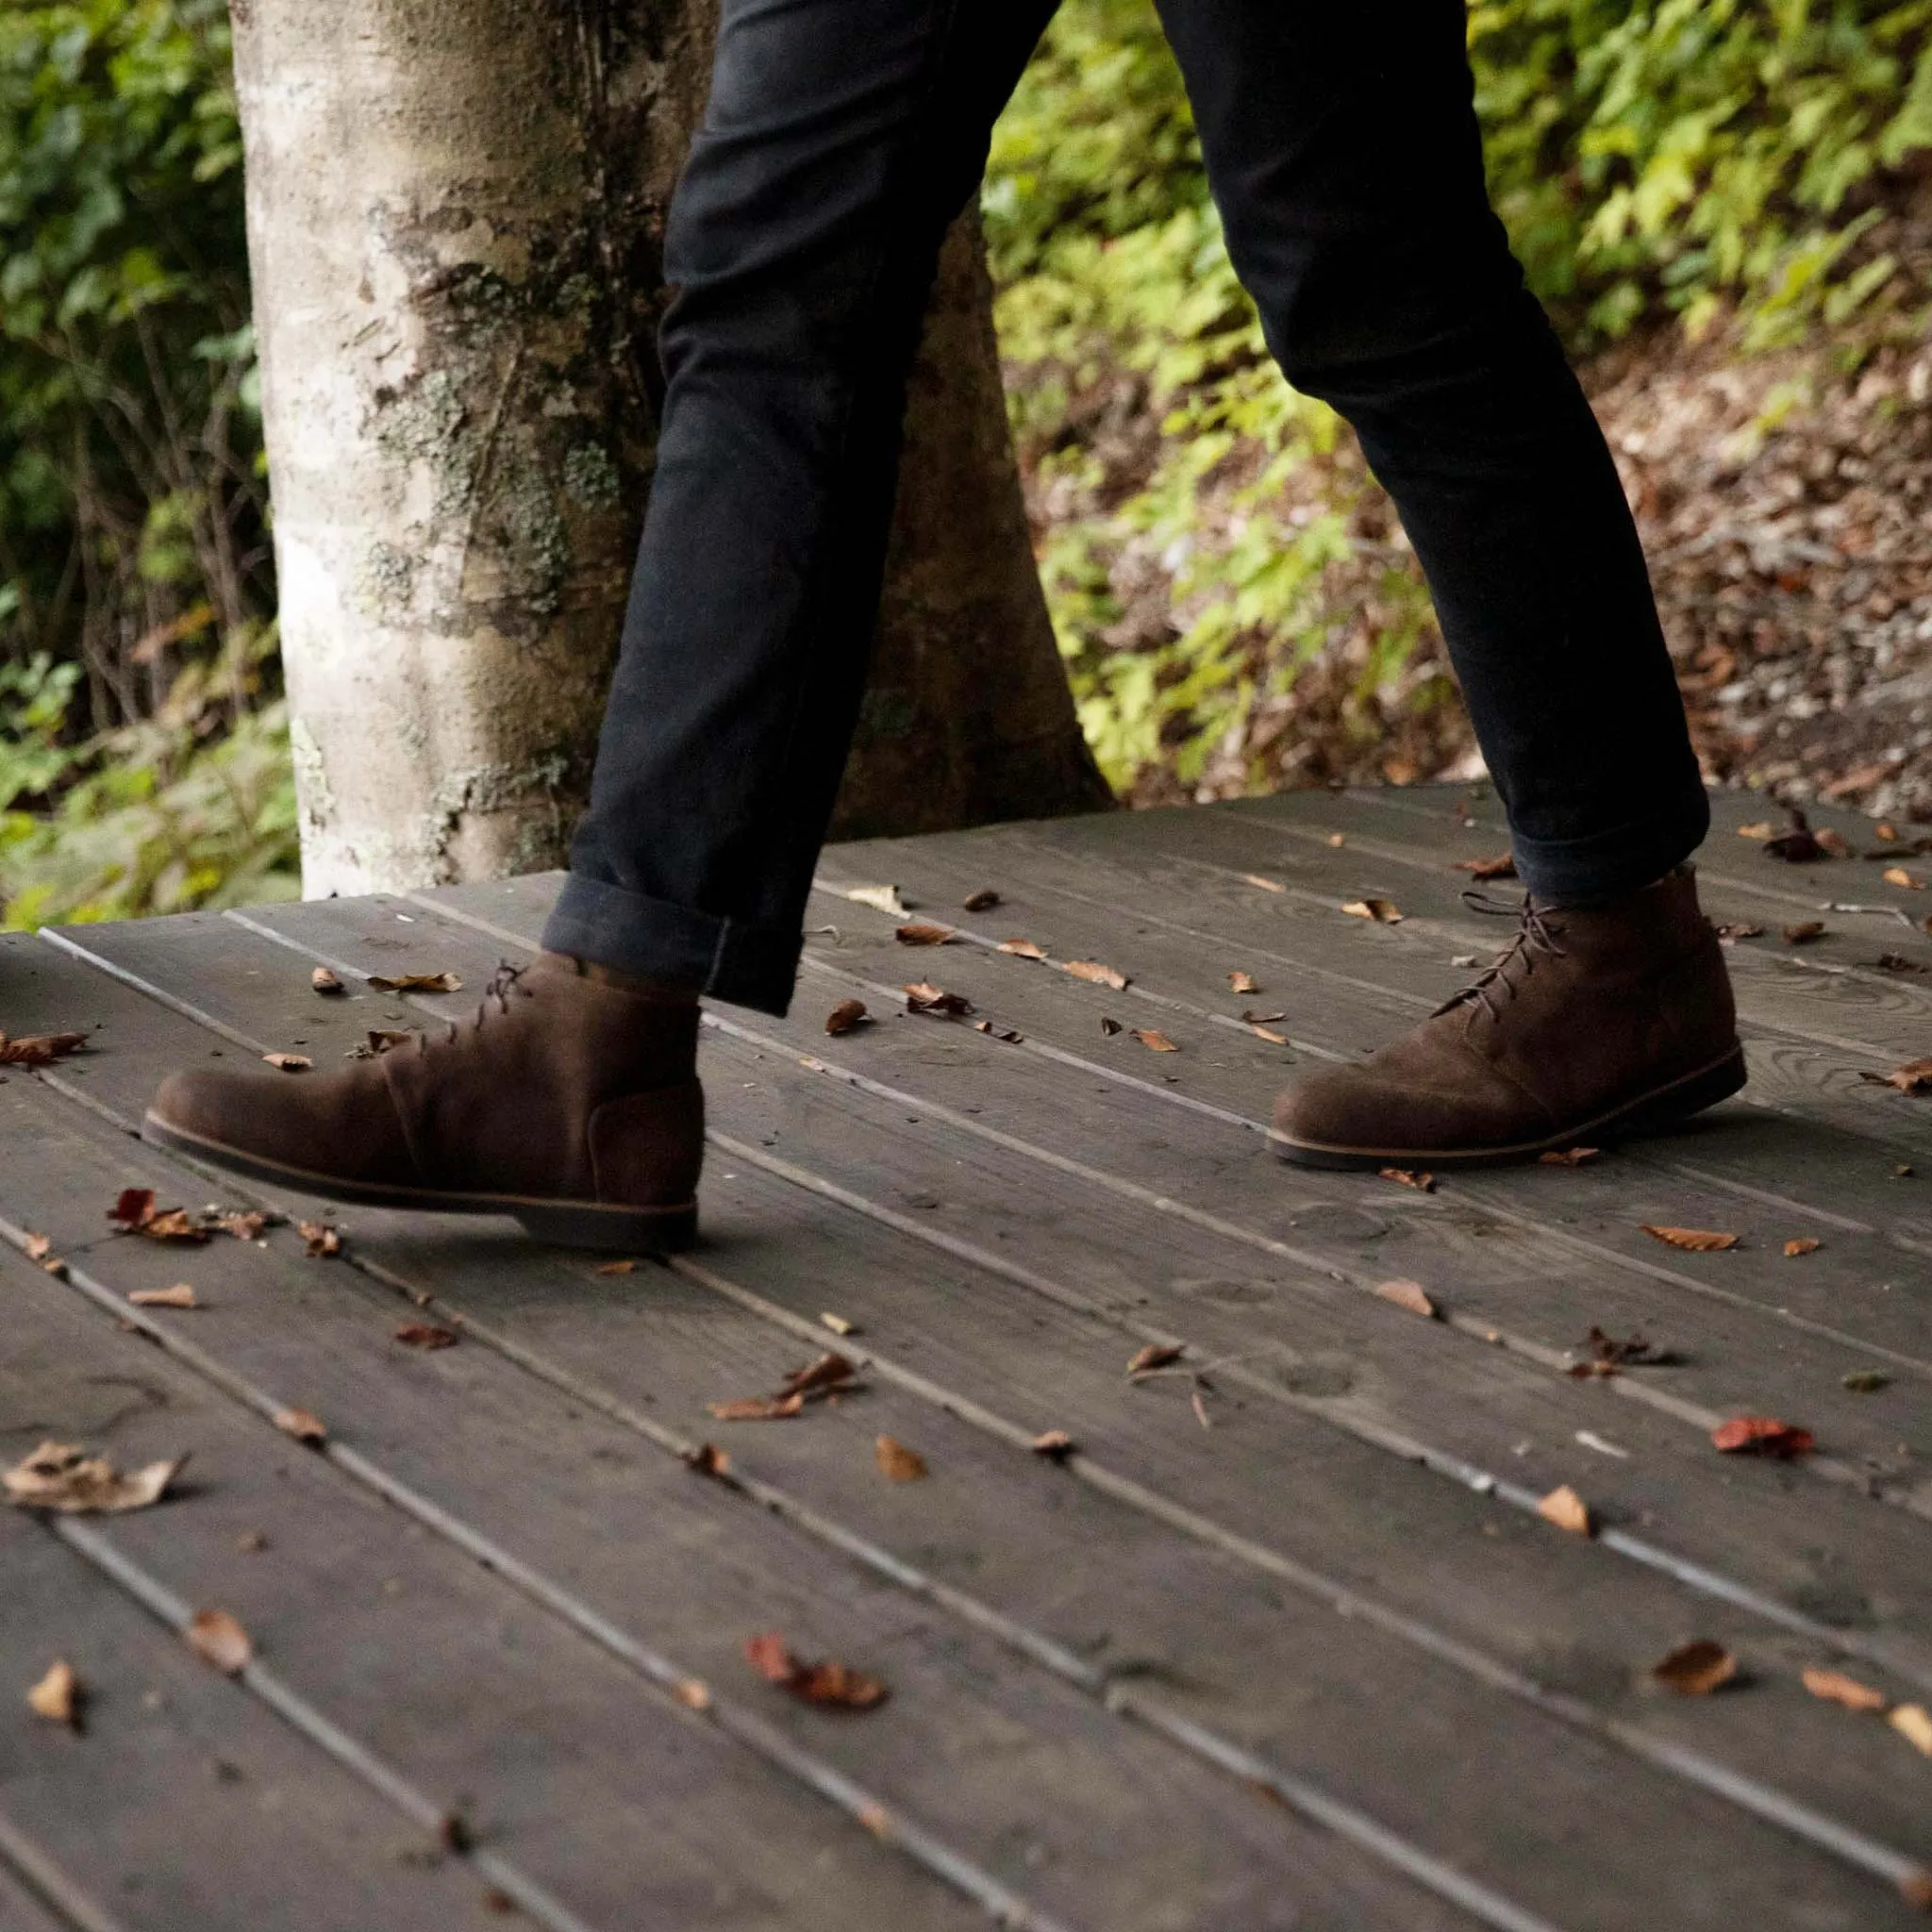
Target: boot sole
567 1223
1663 1107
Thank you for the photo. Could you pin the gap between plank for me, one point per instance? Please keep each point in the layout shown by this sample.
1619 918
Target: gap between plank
48 1884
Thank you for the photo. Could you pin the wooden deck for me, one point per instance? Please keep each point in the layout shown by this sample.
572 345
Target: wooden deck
1284 1642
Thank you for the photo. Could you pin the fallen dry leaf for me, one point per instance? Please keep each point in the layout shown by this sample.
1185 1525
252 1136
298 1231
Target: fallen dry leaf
217 1639
1898 876
39 1246
1022 949
380 1040
1803 932
1383 912
40 1049
898 1463
243 1226
306 1428
1897 962
923 997
1915 1077
982 901
1154 1041
56 1696
1251 1017
320 1238
1254 879
616 1267
417 982
59 1477
819 1377
134 1212
180 1296
880 898
323 981
289 1062
1408 1177
706 1458
1762 1434
1157 1355
1914 1725
1622 1351
1501 867
426 1335
1006 1033
1695 1669
1800 1245
1729 935
1836 1688
839 1324
1799 845
1410 1295
1569 1157
1109 1028
920 933
846 1016
1865 1381
1698 1240
1055 1444
1100 976
832 1685
692 1692
1834 843
1567 1510
758 1409
1763 829
1268 1034
1242 982
251 1542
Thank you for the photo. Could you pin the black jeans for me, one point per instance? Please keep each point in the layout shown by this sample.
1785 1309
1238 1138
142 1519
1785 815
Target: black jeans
841 139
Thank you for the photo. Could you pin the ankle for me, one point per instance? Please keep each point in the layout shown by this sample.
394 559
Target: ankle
661 991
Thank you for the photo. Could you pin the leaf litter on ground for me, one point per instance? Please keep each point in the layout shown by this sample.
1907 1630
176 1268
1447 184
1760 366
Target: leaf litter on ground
56 1696
1410 1295
1762 1434
134 1212
1915 1077
39 1049
1834 1686
218 1639
935 1001
417 982
61 1477
846 1016
897 1463
1695 1669
1098 974
1568 1510
828 1684
923 933
1382 911
1696 1241
825 1375
179 1296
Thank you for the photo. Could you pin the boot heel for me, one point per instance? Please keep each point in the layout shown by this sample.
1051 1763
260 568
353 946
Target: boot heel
625 1230
1689 1098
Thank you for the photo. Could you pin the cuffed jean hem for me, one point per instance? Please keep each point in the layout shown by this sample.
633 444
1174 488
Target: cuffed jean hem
726 958
1606 865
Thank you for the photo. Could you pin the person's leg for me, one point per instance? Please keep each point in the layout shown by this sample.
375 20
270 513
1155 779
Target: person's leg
841 138
1342 148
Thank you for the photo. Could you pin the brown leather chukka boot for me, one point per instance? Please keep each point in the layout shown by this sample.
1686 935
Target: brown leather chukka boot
1598 1021
568 1102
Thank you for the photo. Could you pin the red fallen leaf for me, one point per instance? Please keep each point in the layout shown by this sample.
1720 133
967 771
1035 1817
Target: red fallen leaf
1804 932
1405 1178
831 1685
1800 1245
1569 1157
923 997
1093 971
758 1409
706 1458
40 1049
1154 1041
302 1426
1410 1295
1501 867
1762 1434
1695 1669
217 1639
1242 982
1915 1077
133 1208
1697 1241
1022 949
846 1016
320 1240
426 1335
897 1463
1157 1355
1055 1444
982 901
922 933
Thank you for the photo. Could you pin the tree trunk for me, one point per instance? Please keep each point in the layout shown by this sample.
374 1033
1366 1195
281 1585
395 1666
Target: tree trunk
454 212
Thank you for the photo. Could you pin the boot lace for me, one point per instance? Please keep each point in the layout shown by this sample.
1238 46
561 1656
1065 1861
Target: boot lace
505 981
1535 939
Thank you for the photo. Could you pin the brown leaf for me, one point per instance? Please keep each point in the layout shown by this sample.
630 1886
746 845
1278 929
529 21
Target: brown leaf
692 1692
839 1324
1338 839
1915 1077
180 1296
1914 1722
325 981
1383 912
1698 1240
1157 1355
243 1226
1093 971
1408 1177
172 1226
1238 981
427 1335
39 1246
1834 843
1897 962
417 982
1567 1510
1799 845
820 1375
846 1016
1763 829
1108 1027
289 1062
706 1458
1585 1372
217 1639
1762 1434
1022 949
923 997
616 1267
1254 879
1624 1351
1695 1669
1800 1245
59 1477
1268 1034
828 1684
1251 1017
40 1049
898 1463
1898 876
1836 1688
1055 1444
133 1212
320 1240
1154 1041
1410 1295
56 1696
880 898
133 1208
920 933
306 1428
758 1409
982 901
1006 1033
1569 1157
1501 867
1803 932
1729 935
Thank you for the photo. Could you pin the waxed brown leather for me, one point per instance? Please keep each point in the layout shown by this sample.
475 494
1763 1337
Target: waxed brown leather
1607 1010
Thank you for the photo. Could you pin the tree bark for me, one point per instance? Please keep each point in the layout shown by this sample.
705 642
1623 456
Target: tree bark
454 212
